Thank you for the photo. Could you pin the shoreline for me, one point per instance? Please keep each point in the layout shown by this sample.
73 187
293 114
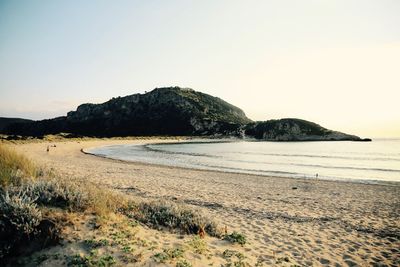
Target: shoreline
338 180
311 222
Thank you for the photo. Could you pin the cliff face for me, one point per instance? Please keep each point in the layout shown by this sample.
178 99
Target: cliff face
163 111
294 130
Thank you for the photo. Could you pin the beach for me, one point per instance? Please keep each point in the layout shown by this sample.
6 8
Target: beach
306 222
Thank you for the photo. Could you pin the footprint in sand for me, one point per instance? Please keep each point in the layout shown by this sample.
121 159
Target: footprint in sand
298 241
346 256
295 254
212 247
324 261
385 254
258 222
350 263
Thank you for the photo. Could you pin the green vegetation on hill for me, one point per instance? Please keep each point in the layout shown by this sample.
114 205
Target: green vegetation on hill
172 111
283 126
163 111
5 122
291 129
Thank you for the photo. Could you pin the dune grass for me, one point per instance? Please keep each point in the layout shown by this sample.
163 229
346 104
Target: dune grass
31 199
28 195
14 168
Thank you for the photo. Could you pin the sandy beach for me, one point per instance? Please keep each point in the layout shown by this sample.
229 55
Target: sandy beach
302 222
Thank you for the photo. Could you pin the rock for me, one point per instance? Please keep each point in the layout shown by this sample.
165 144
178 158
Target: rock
294 130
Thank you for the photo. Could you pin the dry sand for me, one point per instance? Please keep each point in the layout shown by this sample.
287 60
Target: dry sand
305 222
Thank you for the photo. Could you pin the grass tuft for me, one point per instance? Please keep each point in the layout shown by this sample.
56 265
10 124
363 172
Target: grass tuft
198 245
168 214
14 168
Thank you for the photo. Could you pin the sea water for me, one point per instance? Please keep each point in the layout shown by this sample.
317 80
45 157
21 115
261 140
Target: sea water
375 161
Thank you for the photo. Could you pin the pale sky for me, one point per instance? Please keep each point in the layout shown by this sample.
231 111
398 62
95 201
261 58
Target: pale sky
333 62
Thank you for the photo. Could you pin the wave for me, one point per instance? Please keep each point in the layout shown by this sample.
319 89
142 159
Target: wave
317 156
318 166
147 147
250 170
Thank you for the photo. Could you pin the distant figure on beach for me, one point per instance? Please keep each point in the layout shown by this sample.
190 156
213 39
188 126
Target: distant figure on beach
316 175
48 148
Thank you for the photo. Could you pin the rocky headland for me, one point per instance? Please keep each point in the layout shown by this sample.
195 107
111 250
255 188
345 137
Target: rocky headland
172 111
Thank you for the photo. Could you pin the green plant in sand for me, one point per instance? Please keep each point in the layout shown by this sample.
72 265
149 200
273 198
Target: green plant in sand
236 237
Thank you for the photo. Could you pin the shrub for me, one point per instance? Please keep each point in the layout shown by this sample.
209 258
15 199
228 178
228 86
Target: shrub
58 194
174 253
21 194
168 254
183 263
91 243
234 258
160 257
90 260
236 237
19 217
173 216
75 196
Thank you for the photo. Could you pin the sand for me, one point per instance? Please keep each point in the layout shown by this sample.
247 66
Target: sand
286 221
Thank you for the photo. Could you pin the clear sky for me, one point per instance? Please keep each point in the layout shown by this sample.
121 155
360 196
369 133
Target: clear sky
334 62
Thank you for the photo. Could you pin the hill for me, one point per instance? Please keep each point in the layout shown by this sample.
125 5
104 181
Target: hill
172 111
163 111
5 122
290 129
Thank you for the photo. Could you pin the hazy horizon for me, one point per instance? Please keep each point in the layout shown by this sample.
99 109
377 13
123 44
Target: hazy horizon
335 63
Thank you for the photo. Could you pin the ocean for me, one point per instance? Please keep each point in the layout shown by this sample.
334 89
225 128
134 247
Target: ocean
371 162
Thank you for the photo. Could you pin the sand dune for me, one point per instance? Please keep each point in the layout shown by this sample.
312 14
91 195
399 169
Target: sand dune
286 221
